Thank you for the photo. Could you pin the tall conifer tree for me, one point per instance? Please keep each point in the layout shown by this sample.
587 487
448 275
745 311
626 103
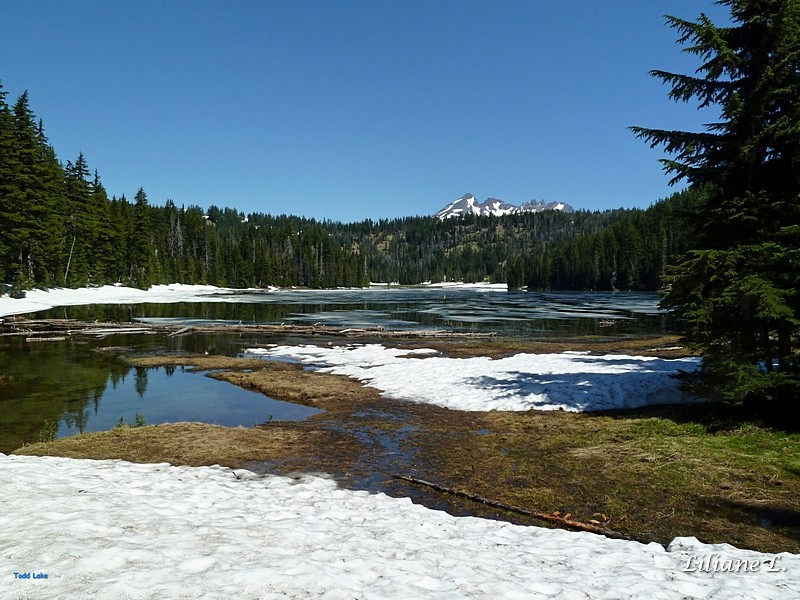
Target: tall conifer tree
8 170
141 249
28 198
739 289
81 225
50 178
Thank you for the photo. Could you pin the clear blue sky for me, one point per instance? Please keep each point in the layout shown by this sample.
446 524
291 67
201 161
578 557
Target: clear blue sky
354 109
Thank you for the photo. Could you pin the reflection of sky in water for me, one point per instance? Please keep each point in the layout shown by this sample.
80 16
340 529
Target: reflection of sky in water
182 396
353 318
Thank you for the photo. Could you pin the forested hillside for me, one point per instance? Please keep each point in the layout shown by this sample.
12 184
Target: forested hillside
620 249
60 227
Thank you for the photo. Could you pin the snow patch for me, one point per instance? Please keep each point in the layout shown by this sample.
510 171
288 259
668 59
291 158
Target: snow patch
36 300
482 285
115 529
571 381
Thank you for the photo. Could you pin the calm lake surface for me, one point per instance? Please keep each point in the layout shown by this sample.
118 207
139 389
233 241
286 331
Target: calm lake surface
83 388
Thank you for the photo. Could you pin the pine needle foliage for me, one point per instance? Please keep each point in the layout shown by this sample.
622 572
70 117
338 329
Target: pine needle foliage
738 289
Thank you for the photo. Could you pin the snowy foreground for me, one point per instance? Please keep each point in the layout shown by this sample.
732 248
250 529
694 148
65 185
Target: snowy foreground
112 529
572 381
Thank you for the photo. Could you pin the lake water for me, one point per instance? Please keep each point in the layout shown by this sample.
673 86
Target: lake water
507 313
82 388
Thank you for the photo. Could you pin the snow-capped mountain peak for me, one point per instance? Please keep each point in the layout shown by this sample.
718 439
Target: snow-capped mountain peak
468 204
465 205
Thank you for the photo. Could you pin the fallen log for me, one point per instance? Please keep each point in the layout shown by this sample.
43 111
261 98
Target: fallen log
44 323
182 331
111 330
548 517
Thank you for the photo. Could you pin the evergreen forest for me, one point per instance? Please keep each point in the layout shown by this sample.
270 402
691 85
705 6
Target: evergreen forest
60 227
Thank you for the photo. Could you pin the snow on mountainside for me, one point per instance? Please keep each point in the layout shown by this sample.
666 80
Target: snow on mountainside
468 204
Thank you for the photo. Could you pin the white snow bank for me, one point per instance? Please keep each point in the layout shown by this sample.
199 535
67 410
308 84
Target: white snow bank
113 529
497 287
481 286
572 381
36 300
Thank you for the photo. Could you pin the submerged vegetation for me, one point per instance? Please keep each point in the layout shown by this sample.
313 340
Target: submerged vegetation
138 421
48 432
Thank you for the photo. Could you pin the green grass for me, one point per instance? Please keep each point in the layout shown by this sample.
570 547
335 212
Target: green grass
656 477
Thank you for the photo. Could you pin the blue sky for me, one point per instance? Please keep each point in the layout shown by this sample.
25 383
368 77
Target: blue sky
345 109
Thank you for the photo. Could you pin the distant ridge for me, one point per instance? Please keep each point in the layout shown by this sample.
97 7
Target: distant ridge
469 205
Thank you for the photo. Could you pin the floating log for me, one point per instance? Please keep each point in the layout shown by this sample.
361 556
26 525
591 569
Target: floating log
106 331
46 339
549 517
181 331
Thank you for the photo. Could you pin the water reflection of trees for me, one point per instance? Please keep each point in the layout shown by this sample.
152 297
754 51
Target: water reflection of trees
140 383
61 382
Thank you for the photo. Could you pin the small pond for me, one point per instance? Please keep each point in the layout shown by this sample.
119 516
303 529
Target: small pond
80 389
173 394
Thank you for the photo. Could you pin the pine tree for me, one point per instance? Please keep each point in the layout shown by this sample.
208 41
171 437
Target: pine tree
52 190
141 251
81 226
19 205
739 289
8 169
105 248
29 199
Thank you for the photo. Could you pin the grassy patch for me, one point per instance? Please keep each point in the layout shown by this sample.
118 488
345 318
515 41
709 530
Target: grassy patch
293 384
665 346
193 444
197 362
49 431
654 478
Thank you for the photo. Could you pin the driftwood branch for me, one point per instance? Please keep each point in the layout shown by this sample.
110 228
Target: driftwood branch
549 517
182 331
